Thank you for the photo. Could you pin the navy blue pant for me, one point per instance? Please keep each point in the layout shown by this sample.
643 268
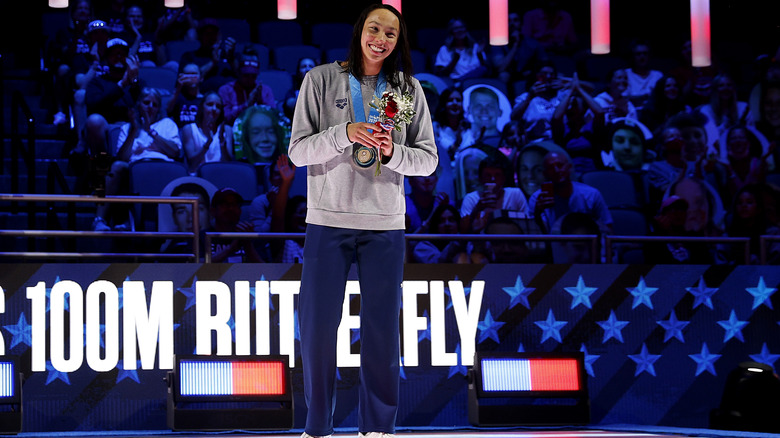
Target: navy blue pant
327 257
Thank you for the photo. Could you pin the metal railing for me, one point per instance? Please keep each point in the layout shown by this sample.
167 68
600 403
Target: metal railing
592 238
32 233
610 240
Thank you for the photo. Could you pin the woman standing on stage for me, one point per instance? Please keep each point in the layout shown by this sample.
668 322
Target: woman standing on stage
356 212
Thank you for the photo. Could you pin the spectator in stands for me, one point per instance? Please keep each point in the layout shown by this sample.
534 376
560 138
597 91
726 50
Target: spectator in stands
519 59
113 14
530 165
701 161
183 218
662 173
450 122
614 101
422 200
142 41
484 110
109 99
537 106
502 250
214 56
114 93
705 214
260 135
671 222
746 160
572 131
641 78
665 101
176 24
445 219
209 139
303 67
226 211
246 91
183 105
749 219
147 135
512 140
295 222
493 197
723 109
563 195
626 146
551 26
768 123
461 57
575 251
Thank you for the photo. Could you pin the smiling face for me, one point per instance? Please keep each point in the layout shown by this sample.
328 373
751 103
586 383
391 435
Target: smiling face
454 104
484 111
212 107
378 39
671 90
262 136
738 144
619 82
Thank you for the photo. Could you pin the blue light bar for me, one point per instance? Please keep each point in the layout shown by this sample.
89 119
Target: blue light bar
7 379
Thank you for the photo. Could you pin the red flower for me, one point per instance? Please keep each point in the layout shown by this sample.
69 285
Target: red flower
391 109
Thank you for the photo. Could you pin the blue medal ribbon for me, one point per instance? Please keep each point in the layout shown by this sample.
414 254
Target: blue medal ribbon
365 156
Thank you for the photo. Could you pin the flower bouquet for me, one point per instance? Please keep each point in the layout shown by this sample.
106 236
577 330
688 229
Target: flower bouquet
394 110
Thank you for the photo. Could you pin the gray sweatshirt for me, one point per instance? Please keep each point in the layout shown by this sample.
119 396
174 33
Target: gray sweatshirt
339 192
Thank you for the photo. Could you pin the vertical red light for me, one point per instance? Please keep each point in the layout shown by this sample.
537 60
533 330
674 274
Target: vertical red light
499 22
599 27
286 9
394 3
700 33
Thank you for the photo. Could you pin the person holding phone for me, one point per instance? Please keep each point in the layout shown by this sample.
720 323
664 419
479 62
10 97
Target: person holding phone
183 106
482 204
559 195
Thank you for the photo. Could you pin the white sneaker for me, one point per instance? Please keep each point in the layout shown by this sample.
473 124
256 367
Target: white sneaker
376 435
99 224
306 435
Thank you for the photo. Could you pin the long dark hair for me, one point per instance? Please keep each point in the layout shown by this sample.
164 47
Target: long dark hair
398 61
202 106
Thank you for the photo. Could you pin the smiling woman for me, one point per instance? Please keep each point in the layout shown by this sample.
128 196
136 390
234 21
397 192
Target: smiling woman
356 213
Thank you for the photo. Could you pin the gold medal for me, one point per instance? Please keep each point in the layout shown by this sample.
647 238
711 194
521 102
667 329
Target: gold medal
364 156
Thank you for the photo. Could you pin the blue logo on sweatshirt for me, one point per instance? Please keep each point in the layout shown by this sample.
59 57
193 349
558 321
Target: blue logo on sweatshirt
341 103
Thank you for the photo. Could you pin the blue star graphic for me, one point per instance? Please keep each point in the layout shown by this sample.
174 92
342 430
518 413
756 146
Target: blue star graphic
128 374
121 291
702 294
612 328
705 361
48 296
425 334
644 361
355 336
466 293
733 327
488 328
459 368
589 359
521 348
642 294
21 332
550 327
189 292
761 294
54 374
765 356
519 293
581 294
673 327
